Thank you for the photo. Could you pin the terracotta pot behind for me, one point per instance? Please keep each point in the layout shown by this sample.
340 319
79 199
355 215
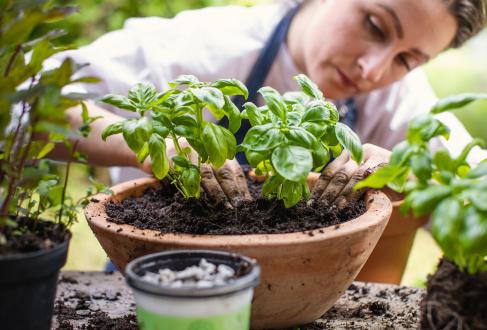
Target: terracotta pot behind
302 274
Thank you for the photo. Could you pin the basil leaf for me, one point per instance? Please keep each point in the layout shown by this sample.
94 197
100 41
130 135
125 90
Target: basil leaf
381 177
308 87
112 129
253 114
457 101
255 157
316 111
446 225
231 87
421 165
261 138
210 96
426 200
216 143
190 176
300 137
143 153
292 162
119 102
350 141
292 192
185 79
157 151
473 236
479 171
136 132
233 114
274 101
142 94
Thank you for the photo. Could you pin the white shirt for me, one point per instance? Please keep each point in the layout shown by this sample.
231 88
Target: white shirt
224 42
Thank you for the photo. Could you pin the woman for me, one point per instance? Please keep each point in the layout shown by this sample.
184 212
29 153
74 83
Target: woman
363 55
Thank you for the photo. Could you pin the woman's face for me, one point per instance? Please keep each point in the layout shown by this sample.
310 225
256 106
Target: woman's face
354 46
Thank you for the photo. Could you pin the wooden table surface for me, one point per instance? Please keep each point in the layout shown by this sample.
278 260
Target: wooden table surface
84 296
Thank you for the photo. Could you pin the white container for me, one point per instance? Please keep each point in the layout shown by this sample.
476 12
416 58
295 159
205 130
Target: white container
221 307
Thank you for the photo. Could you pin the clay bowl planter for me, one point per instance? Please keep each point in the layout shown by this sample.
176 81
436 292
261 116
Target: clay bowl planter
303 274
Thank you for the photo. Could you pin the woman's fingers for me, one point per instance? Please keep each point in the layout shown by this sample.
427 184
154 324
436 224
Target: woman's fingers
232 181
212 186
338 181
327 175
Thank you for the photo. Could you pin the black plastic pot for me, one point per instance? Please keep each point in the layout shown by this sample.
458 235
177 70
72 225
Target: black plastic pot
28 284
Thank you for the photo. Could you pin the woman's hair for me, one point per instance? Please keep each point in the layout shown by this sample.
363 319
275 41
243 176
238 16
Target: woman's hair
471 17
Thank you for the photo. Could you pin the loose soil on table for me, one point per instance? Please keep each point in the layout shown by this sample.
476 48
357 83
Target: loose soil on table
36 236
165 210
81 306
454 299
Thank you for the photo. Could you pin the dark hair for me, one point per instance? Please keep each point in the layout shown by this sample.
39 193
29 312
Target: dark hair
471 17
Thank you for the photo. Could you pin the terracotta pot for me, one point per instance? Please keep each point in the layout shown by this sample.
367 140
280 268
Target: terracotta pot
388 261
302 274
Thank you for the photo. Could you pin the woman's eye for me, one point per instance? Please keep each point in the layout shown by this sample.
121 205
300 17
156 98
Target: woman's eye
402 59
374 27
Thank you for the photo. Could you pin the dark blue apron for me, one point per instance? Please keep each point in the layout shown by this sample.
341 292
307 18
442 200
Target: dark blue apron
346 108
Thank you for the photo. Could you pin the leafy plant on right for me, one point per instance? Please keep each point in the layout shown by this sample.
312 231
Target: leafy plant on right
448 187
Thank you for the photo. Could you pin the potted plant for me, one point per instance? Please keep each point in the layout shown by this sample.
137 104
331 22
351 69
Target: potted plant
31 121
307 254
188 289
455 195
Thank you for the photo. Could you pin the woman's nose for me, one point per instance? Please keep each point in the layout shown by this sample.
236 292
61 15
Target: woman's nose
374 65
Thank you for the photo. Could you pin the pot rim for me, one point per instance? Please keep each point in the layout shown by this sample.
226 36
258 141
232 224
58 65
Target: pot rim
377 203
242 283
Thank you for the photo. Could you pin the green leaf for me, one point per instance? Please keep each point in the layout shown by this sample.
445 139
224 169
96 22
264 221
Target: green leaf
159 128
185 79
426 200
255 157
210 96
479 199
186 126
231 87
479 171
272 185
292 162
381 177
181 161
143 153
191 180
253 114
421 165
300 137
119 101
216 143
199 147
457 101
142 94
463 156
321 156
157 151
292 192
308 87
317 112
443 161
136 132
115 128
401 153
317 129
261 138
45 150
350 141
233 114
446 224
425 127
274 101
473 237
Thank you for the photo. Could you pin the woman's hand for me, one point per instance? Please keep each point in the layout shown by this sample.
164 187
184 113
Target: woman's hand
336 182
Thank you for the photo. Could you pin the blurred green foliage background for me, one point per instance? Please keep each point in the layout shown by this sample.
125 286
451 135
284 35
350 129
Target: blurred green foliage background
452 72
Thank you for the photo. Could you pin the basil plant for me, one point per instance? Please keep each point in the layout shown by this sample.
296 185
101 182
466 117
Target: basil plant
447 186
292 135
177 114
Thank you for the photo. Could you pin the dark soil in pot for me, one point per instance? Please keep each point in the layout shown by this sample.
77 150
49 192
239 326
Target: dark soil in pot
38 235
165 210
454 299
30 264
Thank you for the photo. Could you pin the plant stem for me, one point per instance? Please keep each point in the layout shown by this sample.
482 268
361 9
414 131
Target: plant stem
11 60
68 168
176 143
